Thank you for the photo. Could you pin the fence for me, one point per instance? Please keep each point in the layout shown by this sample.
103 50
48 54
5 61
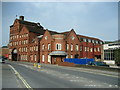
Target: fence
78 61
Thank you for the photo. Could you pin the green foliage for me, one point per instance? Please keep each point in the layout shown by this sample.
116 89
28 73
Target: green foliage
117 56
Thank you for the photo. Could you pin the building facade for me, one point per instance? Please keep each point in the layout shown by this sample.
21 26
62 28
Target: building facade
4 51
109 52
30 42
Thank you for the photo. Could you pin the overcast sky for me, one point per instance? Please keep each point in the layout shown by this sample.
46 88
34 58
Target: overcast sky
94 19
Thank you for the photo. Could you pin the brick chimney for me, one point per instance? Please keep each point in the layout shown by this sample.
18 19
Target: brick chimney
21 18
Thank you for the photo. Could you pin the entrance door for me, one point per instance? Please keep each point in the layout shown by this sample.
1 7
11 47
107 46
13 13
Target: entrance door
14 55
76 55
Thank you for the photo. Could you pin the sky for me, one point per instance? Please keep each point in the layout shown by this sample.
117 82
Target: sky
94 19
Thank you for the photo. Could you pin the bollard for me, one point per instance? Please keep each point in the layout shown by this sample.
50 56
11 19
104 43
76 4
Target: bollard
39 66
35 64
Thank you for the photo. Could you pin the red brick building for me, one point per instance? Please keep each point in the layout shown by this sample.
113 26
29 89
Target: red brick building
32 43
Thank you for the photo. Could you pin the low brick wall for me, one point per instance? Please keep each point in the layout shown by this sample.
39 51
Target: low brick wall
98 67
66 64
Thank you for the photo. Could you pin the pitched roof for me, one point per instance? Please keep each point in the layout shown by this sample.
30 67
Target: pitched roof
35 29
53 32
27 23
81 36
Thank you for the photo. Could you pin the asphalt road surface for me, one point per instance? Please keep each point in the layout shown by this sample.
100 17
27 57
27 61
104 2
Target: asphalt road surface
23 75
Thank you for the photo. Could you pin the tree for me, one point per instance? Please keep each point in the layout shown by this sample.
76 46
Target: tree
117 56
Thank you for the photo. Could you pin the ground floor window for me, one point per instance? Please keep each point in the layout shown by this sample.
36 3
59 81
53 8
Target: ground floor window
43 58
49 58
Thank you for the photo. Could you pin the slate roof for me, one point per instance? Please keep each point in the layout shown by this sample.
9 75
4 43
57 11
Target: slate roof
38 29
81 36
35 29
27 23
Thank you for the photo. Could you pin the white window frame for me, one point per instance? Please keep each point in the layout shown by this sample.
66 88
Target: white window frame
49 58
43 47
91 50
58 46
71 47
43 58
76 46
85 48
49 46
80 48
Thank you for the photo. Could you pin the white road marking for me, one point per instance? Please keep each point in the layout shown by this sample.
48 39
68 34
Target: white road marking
21 78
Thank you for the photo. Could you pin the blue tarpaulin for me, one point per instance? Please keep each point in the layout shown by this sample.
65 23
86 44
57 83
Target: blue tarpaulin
78 61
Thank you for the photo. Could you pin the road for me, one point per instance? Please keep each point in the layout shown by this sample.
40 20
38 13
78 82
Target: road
23 75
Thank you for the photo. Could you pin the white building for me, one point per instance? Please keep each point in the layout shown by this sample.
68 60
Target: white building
109 52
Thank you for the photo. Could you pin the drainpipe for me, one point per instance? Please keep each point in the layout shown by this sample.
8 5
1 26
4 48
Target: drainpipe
38 51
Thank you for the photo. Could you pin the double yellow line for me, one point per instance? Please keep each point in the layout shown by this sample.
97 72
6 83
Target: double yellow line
21 78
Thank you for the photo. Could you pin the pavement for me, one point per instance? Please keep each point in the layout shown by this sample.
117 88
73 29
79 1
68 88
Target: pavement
53 76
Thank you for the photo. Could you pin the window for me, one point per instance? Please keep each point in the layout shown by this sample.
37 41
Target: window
71 56
36 48
49 47
26 41
84 40
93 41
90 49
32 57
43 58
49 58
31 48
71 47
26 57
96 42
26 35
67 46
80 48
46 37
19 49
101 42
26 49
58 46
20 43
94 49
76 47
98 49
72 37
43 47
17 36
85 48
89 40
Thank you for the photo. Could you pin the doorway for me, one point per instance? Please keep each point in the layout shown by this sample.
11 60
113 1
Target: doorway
14 55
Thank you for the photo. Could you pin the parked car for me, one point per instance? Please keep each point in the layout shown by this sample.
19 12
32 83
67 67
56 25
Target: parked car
98 64
2 60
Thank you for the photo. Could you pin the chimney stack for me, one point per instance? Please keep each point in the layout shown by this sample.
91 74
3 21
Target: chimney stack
21 18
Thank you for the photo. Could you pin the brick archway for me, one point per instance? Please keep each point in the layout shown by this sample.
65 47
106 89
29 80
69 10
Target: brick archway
14 54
